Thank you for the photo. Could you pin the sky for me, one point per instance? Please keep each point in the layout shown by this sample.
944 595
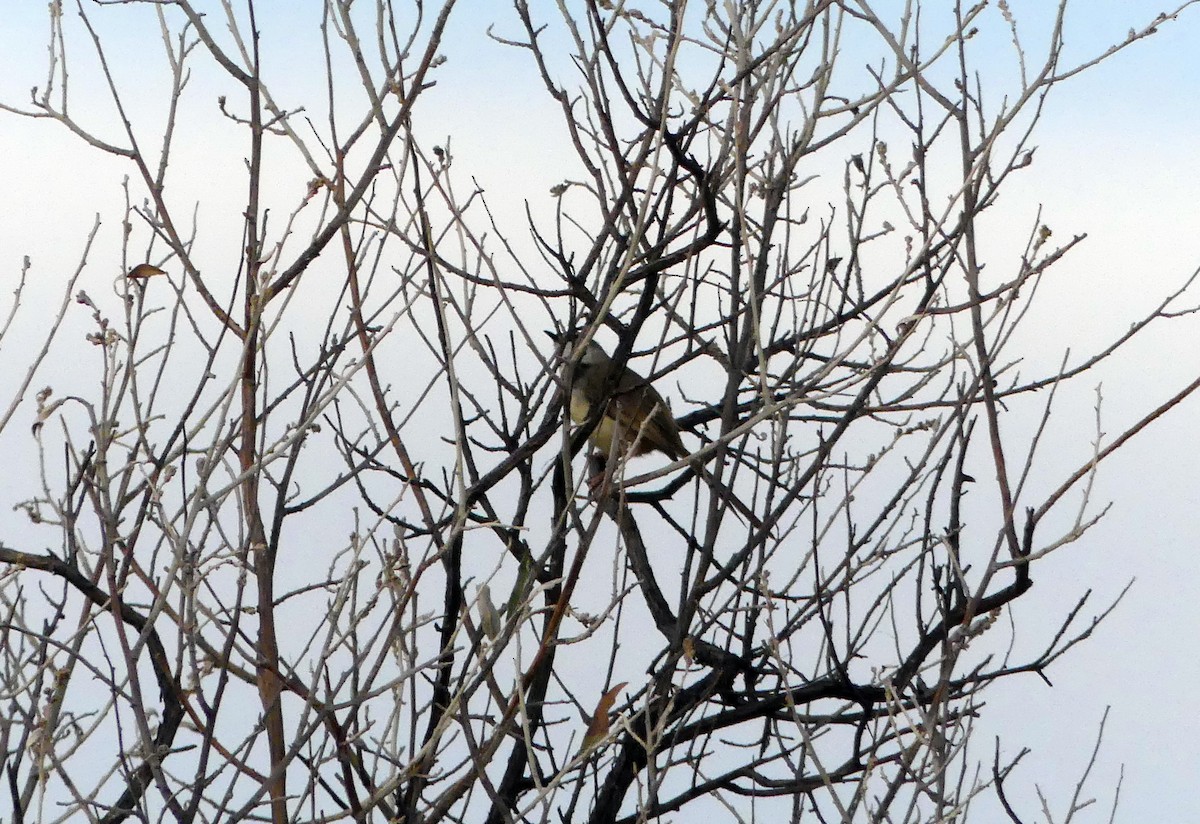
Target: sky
1117 158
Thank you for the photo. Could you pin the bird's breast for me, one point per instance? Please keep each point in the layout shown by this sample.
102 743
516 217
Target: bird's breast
602 435
580 406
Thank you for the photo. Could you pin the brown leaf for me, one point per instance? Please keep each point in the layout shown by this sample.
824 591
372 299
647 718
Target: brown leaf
597 729
143 271
490 620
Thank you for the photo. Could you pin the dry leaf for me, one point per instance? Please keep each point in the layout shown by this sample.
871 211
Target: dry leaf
489 618
597 729
143 271
45 410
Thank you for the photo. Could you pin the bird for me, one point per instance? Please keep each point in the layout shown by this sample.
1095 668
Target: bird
636 417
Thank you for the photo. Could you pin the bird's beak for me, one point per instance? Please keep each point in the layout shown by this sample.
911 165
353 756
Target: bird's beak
560 341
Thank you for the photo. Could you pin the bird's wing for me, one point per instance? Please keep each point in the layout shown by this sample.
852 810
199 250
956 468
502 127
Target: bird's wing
643 417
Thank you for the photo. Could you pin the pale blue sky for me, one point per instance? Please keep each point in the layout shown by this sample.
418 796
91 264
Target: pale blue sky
1118 158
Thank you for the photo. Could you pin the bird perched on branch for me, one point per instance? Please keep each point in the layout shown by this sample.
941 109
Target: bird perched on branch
636 418
636 415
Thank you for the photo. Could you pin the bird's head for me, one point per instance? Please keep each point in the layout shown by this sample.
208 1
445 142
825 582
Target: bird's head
593 354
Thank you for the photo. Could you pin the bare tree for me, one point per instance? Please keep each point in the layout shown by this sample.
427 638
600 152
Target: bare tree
318 540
